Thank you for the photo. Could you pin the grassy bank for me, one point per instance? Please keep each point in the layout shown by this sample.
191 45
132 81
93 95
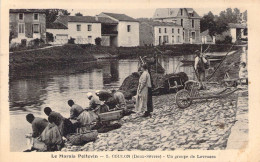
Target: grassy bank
67 54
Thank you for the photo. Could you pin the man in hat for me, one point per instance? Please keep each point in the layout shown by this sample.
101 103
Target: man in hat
199 66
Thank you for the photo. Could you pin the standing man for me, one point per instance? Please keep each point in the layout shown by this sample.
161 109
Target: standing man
200 69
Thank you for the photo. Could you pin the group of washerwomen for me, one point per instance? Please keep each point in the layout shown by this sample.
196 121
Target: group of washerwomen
52 132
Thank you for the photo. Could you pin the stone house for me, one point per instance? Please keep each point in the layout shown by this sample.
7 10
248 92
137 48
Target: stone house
186 17
238 31
158 33
27 24
84 29
120 30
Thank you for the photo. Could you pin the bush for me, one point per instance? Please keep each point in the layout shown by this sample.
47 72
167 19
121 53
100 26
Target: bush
71 40
37 42
11 34
98 41
49 37
23 42
227 40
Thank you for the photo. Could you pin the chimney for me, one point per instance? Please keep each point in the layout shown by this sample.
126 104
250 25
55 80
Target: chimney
96 18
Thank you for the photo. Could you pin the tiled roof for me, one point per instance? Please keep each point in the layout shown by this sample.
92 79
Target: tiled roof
157 23
106 20
84 19
237 25
27 11
120 17
165 12
172 12
205 33
56 25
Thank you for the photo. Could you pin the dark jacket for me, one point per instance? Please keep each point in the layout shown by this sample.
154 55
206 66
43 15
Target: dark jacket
75 111
58 118
38 125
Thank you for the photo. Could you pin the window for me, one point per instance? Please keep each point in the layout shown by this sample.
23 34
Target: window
182 22
193 35
183 36
165 39
20 16
89 27
172 30
36 16
179 39
36 28
173 39
181 12
178 31
78 27
128 28
160 30
192 23
21 28
245 32
89 39
165 30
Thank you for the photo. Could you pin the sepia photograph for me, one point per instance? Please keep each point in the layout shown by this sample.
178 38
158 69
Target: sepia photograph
157 79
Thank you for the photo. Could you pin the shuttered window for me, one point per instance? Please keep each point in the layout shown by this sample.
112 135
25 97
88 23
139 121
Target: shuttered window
36 28
21 28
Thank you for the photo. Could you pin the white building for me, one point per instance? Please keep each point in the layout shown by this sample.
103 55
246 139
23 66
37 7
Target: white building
159 33
238 31
121 31
84 29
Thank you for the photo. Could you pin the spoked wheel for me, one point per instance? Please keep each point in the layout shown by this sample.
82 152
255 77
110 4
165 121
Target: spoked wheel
182 99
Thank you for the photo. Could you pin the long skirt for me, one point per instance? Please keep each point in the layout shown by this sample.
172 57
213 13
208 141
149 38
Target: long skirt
141 100
150 101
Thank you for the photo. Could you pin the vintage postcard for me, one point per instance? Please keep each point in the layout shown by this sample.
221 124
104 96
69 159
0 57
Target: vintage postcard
129 80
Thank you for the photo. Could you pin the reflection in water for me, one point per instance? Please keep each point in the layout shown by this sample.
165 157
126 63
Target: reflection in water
53 89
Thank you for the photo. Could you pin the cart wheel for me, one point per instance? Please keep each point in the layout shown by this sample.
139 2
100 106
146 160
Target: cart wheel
182 99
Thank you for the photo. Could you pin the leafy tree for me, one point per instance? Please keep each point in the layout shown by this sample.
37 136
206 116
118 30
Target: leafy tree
78 14
245 15
52 14
98 41
216 24
208 23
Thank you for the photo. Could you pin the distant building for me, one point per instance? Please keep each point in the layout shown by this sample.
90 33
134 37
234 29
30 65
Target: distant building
120 30
84 29
158 33
186 17
238 31
27 24
206 38
59 31
235 31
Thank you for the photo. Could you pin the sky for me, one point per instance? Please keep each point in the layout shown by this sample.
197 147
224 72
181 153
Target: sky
138 13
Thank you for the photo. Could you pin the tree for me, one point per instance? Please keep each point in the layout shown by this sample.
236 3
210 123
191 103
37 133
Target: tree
245 16
78 14
218 24
52 14
208 23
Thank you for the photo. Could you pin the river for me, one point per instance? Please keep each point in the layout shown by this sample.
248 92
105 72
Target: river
33 90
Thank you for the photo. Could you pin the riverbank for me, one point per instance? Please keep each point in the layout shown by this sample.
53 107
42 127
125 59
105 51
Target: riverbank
72 53
204 125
